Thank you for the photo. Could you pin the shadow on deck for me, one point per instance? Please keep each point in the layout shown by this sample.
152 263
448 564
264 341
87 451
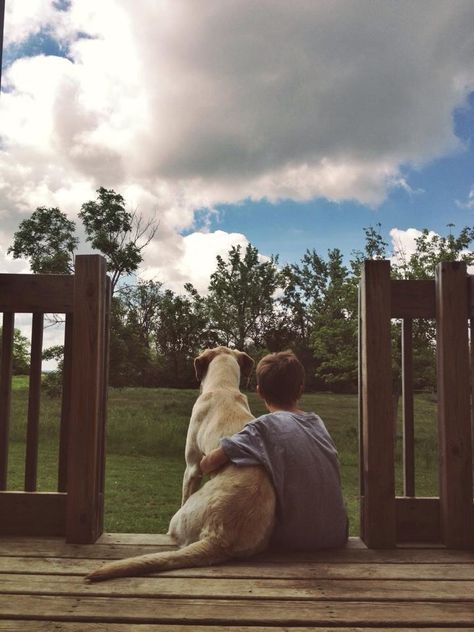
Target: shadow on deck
42 589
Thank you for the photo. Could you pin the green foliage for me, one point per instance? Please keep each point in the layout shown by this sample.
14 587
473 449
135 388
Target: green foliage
52 382
241 297
145 450
432 249
47 240
115 232
21 353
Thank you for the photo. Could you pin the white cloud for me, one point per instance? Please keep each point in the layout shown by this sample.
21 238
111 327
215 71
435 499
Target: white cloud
469 203
404 243
181 105
196 260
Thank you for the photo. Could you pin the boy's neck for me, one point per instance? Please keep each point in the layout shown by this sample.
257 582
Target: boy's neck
275 408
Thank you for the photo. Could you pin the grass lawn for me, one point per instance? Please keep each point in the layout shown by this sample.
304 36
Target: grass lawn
145 447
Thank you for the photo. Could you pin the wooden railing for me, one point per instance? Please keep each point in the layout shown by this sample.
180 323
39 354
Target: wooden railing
76 508
449 300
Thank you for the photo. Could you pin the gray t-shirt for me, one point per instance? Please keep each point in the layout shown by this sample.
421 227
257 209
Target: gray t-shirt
301 459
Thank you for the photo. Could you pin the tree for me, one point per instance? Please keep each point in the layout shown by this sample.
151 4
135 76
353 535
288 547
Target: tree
20 354
47 240
181 332
302 299
334 335
131 362
241 297
117 233
432 249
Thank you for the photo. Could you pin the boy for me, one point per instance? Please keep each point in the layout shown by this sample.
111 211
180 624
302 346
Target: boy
299 455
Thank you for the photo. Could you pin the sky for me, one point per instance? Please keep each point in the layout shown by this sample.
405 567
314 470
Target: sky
289 125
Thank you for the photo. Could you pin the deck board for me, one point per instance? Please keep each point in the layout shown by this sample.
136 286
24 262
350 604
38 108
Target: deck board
42 589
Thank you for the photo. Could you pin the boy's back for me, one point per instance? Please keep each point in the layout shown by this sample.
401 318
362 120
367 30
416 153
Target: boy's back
301 458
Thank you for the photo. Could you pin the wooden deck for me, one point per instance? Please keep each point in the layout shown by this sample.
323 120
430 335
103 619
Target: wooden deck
42 589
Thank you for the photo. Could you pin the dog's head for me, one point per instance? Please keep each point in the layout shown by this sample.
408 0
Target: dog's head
203 360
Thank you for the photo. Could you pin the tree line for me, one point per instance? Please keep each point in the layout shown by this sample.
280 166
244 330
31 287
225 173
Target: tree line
253 303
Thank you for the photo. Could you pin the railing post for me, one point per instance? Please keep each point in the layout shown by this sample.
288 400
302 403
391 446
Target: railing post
456 503
378 519
86 431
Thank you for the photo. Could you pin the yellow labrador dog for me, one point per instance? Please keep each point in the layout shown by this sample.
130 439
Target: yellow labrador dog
232 515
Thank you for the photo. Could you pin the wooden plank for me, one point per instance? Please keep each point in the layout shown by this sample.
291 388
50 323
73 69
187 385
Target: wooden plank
6 363
408 409
83 520
223 611
252 589
378 519
34 398
54 548
47 293
163 539
418 519
413 299
32 513
65 626
454 423
262 570
65 405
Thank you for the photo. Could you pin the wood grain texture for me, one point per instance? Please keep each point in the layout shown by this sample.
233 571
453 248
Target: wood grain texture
65 405
64 626
34 399
413 299
418 519
224 611
295 589
408 409
6 363
86 431
32 513
250 570
378 506
454 414
46 293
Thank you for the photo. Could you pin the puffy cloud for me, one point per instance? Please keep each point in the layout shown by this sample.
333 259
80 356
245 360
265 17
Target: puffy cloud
196 259
404 242
404 245
469 203
181 105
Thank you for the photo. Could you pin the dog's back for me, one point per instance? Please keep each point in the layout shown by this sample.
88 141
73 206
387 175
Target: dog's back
232 515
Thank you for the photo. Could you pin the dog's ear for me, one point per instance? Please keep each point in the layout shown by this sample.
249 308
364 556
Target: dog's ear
202 362
246 363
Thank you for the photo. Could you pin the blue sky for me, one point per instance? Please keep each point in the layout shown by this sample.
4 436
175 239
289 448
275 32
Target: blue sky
292 126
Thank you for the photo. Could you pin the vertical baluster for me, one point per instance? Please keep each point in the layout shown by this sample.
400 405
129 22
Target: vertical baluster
103 414
408 413
34 398
6 364
65 405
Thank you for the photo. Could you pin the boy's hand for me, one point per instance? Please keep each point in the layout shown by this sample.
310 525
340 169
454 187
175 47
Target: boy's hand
213 461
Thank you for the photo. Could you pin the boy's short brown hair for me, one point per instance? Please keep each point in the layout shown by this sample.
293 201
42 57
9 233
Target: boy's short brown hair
280 378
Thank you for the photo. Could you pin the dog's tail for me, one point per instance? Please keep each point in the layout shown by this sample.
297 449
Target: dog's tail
201 553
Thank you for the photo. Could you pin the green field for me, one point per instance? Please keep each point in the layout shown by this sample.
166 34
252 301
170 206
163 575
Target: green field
145 447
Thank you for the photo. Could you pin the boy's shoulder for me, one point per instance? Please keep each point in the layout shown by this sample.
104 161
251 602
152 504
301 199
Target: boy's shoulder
283 418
